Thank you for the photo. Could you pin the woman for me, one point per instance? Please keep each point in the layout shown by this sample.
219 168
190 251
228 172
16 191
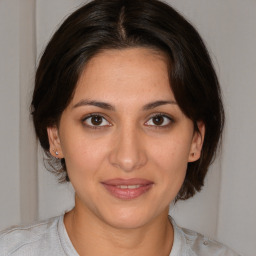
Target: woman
127 107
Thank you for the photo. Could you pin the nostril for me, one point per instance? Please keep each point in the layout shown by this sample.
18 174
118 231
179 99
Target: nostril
128 161
128 153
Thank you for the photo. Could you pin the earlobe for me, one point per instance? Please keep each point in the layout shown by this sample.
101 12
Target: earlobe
197 142
54 142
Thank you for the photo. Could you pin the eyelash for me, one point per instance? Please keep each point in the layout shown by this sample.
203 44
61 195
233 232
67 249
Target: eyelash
170 121
95 126
165 116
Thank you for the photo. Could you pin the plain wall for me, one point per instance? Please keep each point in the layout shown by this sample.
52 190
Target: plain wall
225 209
9 112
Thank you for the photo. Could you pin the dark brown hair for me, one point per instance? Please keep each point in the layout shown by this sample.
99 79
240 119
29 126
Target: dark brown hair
119 24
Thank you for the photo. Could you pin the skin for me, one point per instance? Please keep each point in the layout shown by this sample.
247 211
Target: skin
130 141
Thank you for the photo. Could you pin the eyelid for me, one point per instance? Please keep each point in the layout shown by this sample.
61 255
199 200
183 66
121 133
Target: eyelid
106 119
96 126
170 118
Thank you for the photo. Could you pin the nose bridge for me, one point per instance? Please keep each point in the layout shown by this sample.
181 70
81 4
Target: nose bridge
128 153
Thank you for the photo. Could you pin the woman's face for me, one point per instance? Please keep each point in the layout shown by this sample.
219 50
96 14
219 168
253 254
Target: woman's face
125 140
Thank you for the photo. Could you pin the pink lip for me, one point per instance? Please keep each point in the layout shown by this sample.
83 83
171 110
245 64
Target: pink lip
113 187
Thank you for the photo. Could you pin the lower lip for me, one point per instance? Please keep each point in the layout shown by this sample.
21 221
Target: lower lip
127 194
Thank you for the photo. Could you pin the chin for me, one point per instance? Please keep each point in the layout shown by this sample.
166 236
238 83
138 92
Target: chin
128 218
127 223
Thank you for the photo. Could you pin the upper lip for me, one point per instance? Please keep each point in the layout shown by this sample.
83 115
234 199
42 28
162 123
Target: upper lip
133 181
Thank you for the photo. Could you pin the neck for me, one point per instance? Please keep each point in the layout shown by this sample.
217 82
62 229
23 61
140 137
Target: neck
92 236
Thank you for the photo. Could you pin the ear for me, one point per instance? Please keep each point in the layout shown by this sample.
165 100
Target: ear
54 141
197 142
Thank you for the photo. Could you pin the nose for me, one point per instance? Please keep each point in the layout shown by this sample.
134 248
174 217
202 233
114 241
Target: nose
129 151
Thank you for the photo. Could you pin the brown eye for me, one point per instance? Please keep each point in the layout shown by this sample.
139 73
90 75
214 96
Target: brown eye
158 120
96 120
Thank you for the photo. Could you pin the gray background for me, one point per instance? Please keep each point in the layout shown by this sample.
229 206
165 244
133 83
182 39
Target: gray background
225 209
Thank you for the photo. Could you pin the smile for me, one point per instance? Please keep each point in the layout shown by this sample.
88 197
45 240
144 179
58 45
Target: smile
127 189
129 186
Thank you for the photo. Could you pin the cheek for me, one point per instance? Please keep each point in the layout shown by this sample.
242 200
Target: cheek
172 152
171 161
82 155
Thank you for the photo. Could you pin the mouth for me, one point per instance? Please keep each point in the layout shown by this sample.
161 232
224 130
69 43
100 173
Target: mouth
127 189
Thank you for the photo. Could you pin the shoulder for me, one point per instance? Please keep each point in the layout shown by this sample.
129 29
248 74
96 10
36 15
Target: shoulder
195 244
203 245
25 240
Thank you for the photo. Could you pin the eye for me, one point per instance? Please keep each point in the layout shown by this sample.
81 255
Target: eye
159 120
96 121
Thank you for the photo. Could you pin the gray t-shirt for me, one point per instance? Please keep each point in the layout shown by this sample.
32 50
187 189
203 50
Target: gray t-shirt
50 238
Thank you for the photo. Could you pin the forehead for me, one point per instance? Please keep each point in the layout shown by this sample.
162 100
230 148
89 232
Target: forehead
125 73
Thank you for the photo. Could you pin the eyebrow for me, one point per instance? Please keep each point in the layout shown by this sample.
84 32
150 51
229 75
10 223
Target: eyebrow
158 103
108 106
99 104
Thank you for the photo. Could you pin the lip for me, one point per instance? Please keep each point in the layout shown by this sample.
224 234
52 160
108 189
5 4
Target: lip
127 189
